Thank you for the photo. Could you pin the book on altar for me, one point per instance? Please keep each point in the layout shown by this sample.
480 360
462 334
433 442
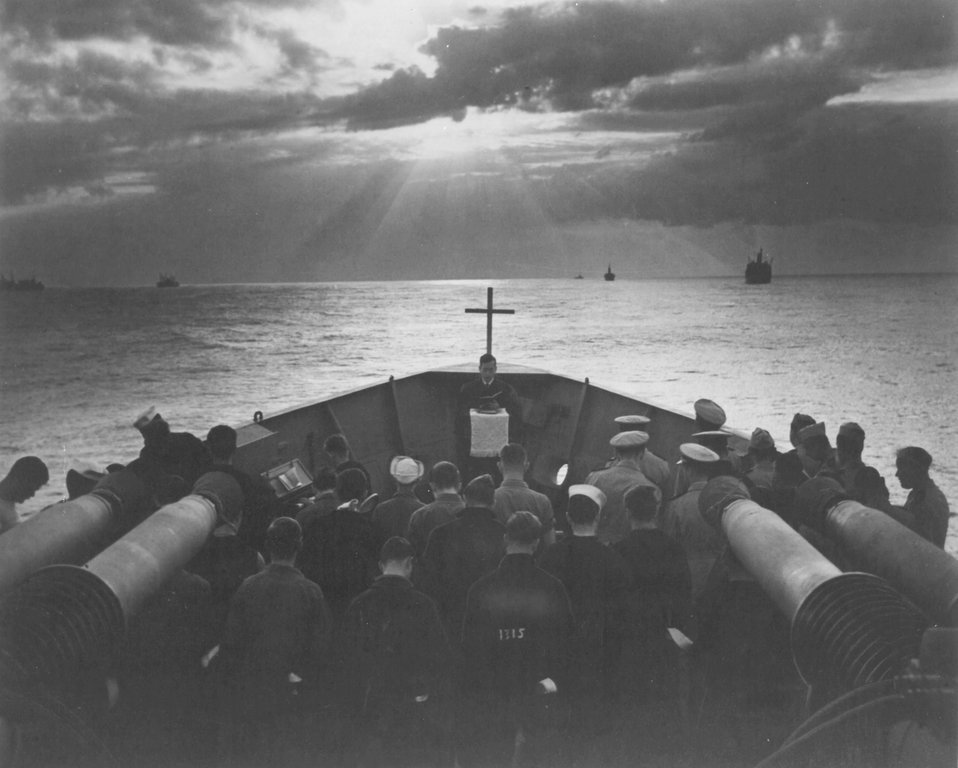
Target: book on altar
490 431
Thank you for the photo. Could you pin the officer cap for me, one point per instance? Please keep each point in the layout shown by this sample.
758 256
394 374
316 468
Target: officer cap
630 439
634 421
695 453
709 411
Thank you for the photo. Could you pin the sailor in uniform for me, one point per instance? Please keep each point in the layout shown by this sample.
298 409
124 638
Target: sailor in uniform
613 523
709 417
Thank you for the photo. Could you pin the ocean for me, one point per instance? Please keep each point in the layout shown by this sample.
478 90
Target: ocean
78 365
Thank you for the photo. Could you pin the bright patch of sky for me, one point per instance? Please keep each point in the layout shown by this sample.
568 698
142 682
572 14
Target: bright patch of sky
924 85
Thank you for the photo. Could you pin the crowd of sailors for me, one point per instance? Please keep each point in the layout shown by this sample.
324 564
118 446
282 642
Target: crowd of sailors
464 619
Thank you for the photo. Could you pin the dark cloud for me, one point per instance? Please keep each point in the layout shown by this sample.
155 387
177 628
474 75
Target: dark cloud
172 22
570 54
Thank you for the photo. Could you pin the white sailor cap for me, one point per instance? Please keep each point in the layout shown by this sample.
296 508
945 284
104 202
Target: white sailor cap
630 439
405 469
709 411
696 453
590 491
633 421
145 418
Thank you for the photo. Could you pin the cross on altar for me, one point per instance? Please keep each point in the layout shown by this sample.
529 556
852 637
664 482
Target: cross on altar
488 311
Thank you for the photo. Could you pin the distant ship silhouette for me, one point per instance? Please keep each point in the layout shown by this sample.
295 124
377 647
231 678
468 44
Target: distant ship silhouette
609 275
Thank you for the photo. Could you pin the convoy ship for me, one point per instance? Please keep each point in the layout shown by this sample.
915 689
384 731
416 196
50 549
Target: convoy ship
609 274
12 284
167 281
875 645
758 271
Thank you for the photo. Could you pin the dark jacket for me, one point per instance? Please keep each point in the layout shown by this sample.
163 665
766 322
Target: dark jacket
225 562
660 590
516 631
394 647
391 517
260 505
597 581
340 555
457 555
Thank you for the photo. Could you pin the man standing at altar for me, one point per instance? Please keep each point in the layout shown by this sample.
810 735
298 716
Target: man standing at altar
486 396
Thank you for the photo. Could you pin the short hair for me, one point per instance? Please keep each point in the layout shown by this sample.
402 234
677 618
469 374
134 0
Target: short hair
512 455
523 528
642 502
581 510
284 537
918 456
325 479
488 357
351 484
481 490
336 444
444 474
221 441
31 471
396 549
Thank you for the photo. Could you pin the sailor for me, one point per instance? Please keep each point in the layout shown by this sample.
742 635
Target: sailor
926 508
514 493
444 482
167 454
391 517
516 640
396 671
339 552
762 454
81 479
653 467
682 521
652 672
27 476
489 392
323 501
709 417
259 502
337 448
860 481
461 551
276 639
715 440
596 579
613 522
818 456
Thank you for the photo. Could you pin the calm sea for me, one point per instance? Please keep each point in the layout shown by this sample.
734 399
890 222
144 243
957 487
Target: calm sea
78 365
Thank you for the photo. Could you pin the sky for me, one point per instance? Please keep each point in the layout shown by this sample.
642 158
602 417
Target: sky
285 140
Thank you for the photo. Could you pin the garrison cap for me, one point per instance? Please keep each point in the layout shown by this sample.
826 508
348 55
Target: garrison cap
631 422
632 438
813 430
710 411
589 491
761 439
694 453
851 429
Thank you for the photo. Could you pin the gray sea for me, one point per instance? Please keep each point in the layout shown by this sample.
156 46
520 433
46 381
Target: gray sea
78 365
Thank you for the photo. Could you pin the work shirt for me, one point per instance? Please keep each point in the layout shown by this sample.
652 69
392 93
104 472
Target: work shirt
516 631
702 543
391 517
929 508
423 520
514 495
613 523
394 648
278 624
657 470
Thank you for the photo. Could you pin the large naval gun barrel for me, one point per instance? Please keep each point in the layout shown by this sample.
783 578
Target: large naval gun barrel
65 620
73 531
875 542
846 628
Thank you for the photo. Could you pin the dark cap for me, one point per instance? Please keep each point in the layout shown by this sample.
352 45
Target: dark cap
396 548
284 530
523 528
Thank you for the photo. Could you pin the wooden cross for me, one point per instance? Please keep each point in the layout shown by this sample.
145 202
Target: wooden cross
488 311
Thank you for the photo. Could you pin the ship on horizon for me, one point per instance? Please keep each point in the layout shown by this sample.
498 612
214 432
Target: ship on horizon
167 281
758 271
12 284
609 274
